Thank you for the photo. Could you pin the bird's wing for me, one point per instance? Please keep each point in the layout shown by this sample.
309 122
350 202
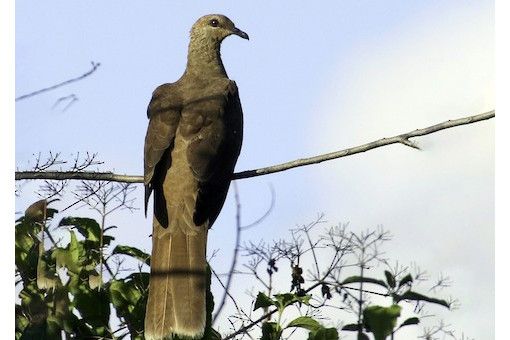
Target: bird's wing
213 157
164 113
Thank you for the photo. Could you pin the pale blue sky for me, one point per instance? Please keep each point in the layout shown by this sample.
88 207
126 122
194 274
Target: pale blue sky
312 79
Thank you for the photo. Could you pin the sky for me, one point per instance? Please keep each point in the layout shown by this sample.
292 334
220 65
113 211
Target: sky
312 79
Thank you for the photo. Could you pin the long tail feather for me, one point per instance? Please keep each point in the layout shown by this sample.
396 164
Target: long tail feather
176 303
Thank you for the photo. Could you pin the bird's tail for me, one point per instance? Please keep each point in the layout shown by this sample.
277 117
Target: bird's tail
177 292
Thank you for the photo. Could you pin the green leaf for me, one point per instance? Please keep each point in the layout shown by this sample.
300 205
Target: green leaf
133 252
358 279
129 297
271 331
263 301
410 321
215 335
46 275
94 307
89 229
305 322
408 279
21 321
32 300
363 336
354 327
324 334
390 279
410 295
26 254
381 320
71 257
34 331
284 300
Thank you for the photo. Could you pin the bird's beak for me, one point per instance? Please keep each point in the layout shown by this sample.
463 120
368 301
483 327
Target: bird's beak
240 33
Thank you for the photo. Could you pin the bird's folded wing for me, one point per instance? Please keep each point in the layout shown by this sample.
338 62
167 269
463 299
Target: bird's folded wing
164 114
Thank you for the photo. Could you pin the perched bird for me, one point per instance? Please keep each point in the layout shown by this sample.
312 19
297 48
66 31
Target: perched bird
191 147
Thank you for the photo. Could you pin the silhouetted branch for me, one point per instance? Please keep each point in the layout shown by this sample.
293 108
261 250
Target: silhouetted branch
46 89
402 139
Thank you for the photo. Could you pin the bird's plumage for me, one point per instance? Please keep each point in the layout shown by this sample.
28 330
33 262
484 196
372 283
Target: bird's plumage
191 147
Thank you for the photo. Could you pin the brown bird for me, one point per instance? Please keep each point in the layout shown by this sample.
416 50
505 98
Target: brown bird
191 147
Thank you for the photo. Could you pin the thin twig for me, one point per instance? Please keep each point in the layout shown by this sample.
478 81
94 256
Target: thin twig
266 214
265 316
234 258
86 74
399 139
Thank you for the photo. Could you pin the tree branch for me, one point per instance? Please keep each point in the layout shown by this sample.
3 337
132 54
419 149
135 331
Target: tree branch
86 74
402 139
234 257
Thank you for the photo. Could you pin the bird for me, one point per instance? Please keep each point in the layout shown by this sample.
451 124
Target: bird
192 144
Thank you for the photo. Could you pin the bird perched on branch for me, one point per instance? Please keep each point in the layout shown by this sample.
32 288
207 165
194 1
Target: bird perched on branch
191 147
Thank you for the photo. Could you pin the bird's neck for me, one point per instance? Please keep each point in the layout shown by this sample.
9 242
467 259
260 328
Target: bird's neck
204 59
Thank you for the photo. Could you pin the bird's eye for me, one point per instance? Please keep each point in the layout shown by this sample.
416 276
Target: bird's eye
214 23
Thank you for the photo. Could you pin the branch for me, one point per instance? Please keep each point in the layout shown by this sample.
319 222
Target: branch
86 74
402 139
234 258
265 316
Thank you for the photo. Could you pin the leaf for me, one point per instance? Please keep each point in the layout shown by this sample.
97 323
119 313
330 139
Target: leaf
94 307
410 321
381 320
263 301
271 331
215 335
71 257
21 320
39 211
390 279
284 300
358 279
87 227
34 331
363 336
133 252
408 279
326 292
352 327
46 276
32 300
26 252
324 334
95 280
129 298
305 322
410 295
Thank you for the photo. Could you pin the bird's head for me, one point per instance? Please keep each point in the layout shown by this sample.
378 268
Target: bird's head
216 27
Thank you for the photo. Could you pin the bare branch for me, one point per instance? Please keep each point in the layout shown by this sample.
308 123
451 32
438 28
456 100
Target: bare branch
265 316
403 139
234 257
399 139
46 89
70 99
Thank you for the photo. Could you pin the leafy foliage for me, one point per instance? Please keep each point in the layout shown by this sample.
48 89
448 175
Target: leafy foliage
62 288
381 320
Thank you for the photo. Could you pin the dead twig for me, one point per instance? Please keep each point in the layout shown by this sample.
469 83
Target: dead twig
72 80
